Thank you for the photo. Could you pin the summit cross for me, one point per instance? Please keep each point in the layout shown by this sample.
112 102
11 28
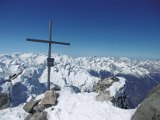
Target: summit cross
50 61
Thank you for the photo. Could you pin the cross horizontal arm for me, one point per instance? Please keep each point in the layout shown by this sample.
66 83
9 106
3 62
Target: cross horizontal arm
37 40
62 43
47 41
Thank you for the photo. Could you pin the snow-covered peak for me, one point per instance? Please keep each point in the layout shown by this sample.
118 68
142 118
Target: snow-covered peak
139 68
73 71
119 65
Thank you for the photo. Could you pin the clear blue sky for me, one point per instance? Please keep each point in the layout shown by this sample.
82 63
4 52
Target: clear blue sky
93 27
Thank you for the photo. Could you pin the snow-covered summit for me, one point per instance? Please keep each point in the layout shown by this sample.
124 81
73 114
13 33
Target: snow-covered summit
83 72
28 72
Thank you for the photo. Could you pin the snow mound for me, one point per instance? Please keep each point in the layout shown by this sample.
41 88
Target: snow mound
83 106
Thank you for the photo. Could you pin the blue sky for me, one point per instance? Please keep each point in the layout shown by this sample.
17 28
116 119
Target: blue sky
93 27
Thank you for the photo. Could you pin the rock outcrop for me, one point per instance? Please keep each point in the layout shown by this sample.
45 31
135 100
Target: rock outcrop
103 96
102 85
150 107
28 107
4 100
35 108
50 98
119 99
101 88
37 116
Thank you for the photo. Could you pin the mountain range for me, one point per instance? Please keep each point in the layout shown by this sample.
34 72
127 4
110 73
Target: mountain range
28 72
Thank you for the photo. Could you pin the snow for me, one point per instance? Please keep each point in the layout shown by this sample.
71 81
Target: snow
69 71
16 113
39 97
113 65
83 106
1 70
116 86
25 56
14 69
40 59
72 106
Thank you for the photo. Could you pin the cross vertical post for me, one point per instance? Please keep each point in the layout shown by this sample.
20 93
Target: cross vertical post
49 54
50 61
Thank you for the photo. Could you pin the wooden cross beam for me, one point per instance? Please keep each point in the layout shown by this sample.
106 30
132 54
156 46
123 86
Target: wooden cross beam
50 61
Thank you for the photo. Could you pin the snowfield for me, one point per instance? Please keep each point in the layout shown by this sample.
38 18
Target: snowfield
29 73
72 106
16 113
83 106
